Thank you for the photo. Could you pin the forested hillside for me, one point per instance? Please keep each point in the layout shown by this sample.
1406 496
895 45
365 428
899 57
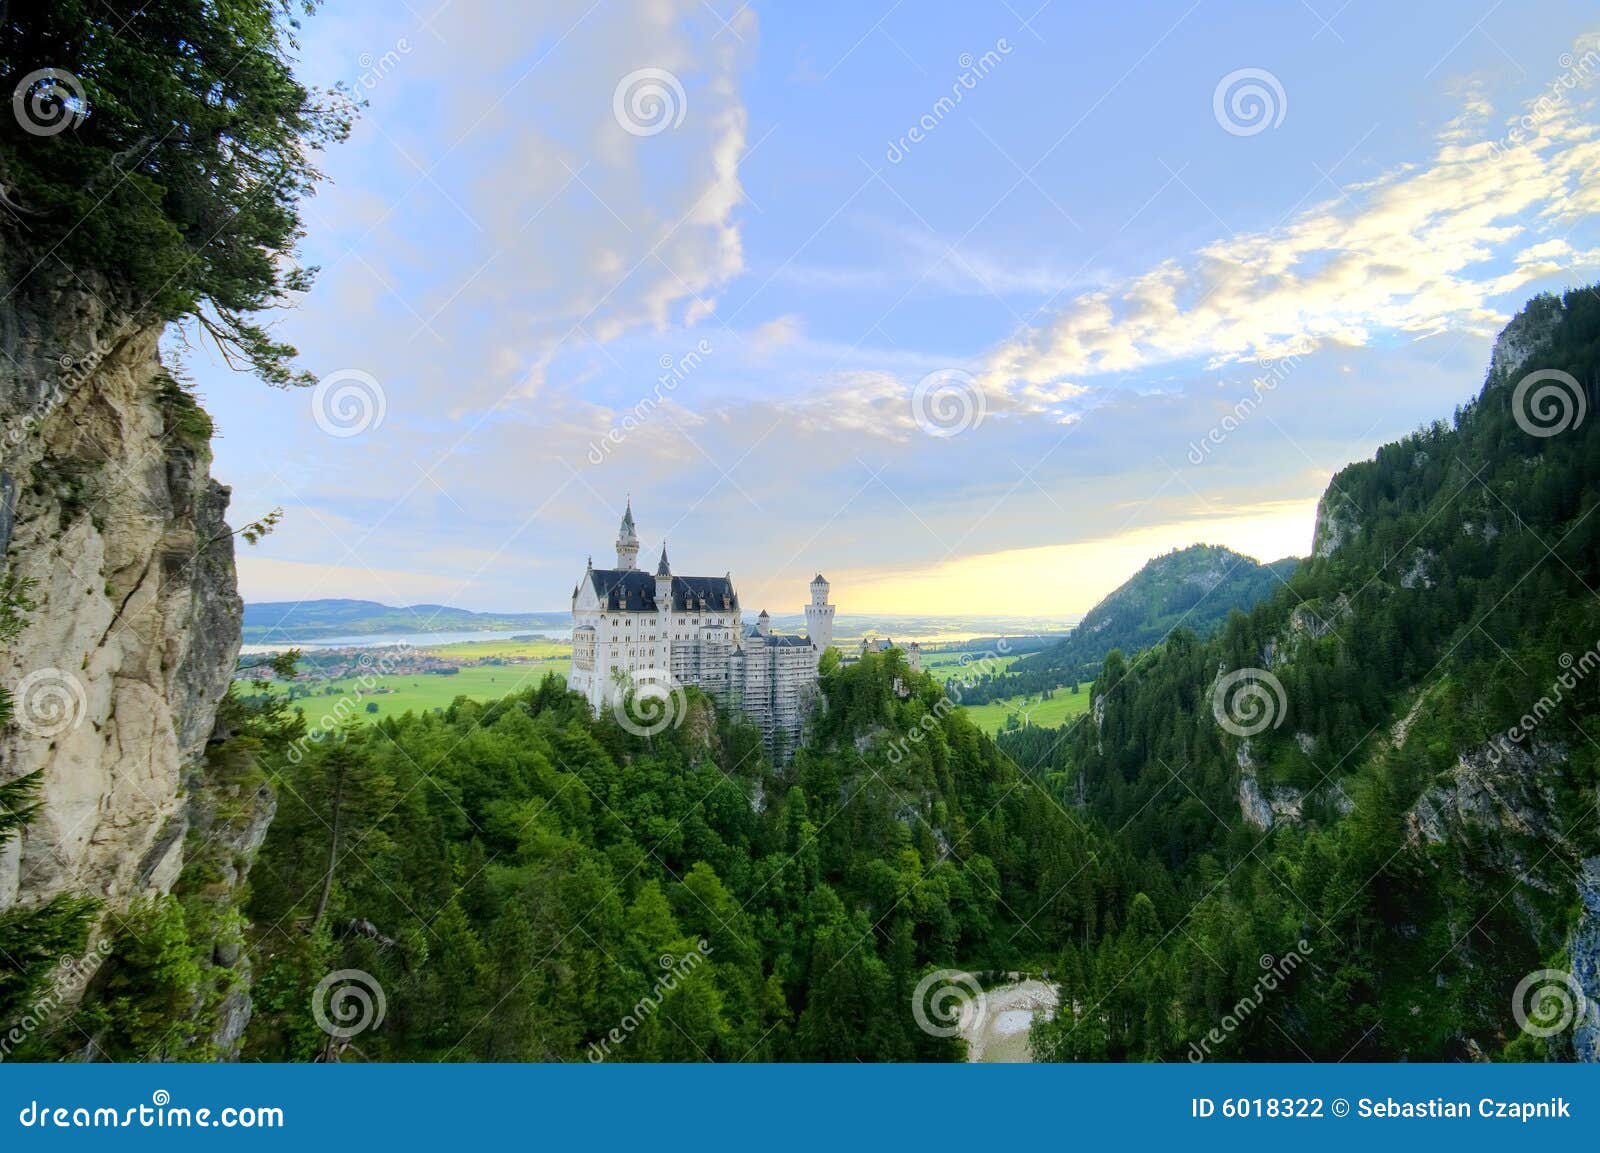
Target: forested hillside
1193 588
1417 801
519 878
1377 789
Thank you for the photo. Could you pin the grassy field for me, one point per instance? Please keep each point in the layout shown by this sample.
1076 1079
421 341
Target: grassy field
474 650
420 693
943 666
490 682
1064 706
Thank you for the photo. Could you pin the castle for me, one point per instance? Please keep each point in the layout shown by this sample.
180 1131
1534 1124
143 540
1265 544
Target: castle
628 626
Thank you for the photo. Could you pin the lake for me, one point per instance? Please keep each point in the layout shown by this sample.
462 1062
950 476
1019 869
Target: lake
389 640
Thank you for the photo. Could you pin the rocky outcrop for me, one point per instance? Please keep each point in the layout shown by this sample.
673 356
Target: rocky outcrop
1584 949
1336 523
1260 807
1498 787
1526 333
134 625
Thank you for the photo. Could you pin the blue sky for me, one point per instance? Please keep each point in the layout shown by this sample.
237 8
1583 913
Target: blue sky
1084 262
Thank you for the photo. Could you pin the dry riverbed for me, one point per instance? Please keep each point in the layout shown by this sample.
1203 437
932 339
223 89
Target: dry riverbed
995 1026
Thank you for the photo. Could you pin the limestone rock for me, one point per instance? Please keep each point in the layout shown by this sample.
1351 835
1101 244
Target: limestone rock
108 508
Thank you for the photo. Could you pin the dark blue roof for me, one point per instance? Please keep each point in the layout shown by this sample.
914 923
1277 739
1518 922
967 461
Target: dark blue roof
634 591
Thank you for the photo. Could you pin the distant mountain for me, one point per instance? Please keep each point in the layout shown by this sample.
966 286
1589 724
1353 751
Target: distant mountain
288 622
1195 588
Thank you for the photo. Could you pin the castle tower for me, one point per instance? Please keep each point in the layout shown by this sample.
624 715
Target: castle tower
627 542
819 615
664 608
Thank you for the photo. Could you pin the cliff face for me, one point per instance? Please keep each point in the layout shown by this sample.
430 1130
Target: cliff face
107 507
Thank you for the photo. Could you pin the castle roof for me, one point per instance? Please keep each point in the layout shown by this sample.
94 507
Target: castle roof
778 640
663 569
634 591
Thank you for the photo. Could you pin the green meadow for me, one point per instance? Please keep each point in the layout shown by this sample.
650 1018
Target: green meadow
428 691
1063 706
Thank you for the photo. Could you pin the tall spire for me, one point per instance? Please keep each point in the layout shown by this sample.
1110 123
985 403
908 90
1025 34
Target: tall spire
627 541
663 569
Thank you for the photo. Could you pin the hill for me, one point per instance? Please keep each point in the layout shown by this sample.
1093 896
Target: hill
288 622
1383 776
1194 588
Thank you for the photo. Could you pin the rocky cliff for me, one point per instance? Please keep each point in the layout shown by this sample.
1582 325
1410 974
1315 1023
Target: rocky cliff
110 517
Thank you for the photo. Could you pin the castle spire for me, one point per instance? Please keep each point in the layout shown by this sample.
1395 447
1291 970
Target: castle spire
627 541
663 569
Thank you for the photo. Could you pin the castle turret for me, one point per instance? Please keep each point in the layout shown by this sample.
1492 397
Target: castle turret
764 624
664 581
819 615
627 542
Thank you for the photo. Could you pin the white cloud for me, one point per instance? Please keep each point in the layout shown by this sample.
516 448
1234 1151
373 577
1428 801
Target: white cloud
1420 250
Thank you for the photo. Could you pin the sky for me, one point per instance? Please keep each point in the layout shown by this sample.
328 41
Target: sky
972 307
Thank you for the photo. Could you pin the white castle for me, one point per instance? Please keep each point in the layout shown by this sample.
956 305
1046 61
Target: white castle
628 626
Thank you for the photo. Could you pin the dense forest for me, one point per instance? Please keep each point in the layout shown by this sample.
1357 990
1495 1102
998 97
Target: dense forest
1415 821
524 881
1193 588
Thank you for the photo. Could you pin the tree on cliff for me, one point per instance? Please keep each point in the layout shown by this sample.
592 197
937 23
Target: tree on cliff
165 148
